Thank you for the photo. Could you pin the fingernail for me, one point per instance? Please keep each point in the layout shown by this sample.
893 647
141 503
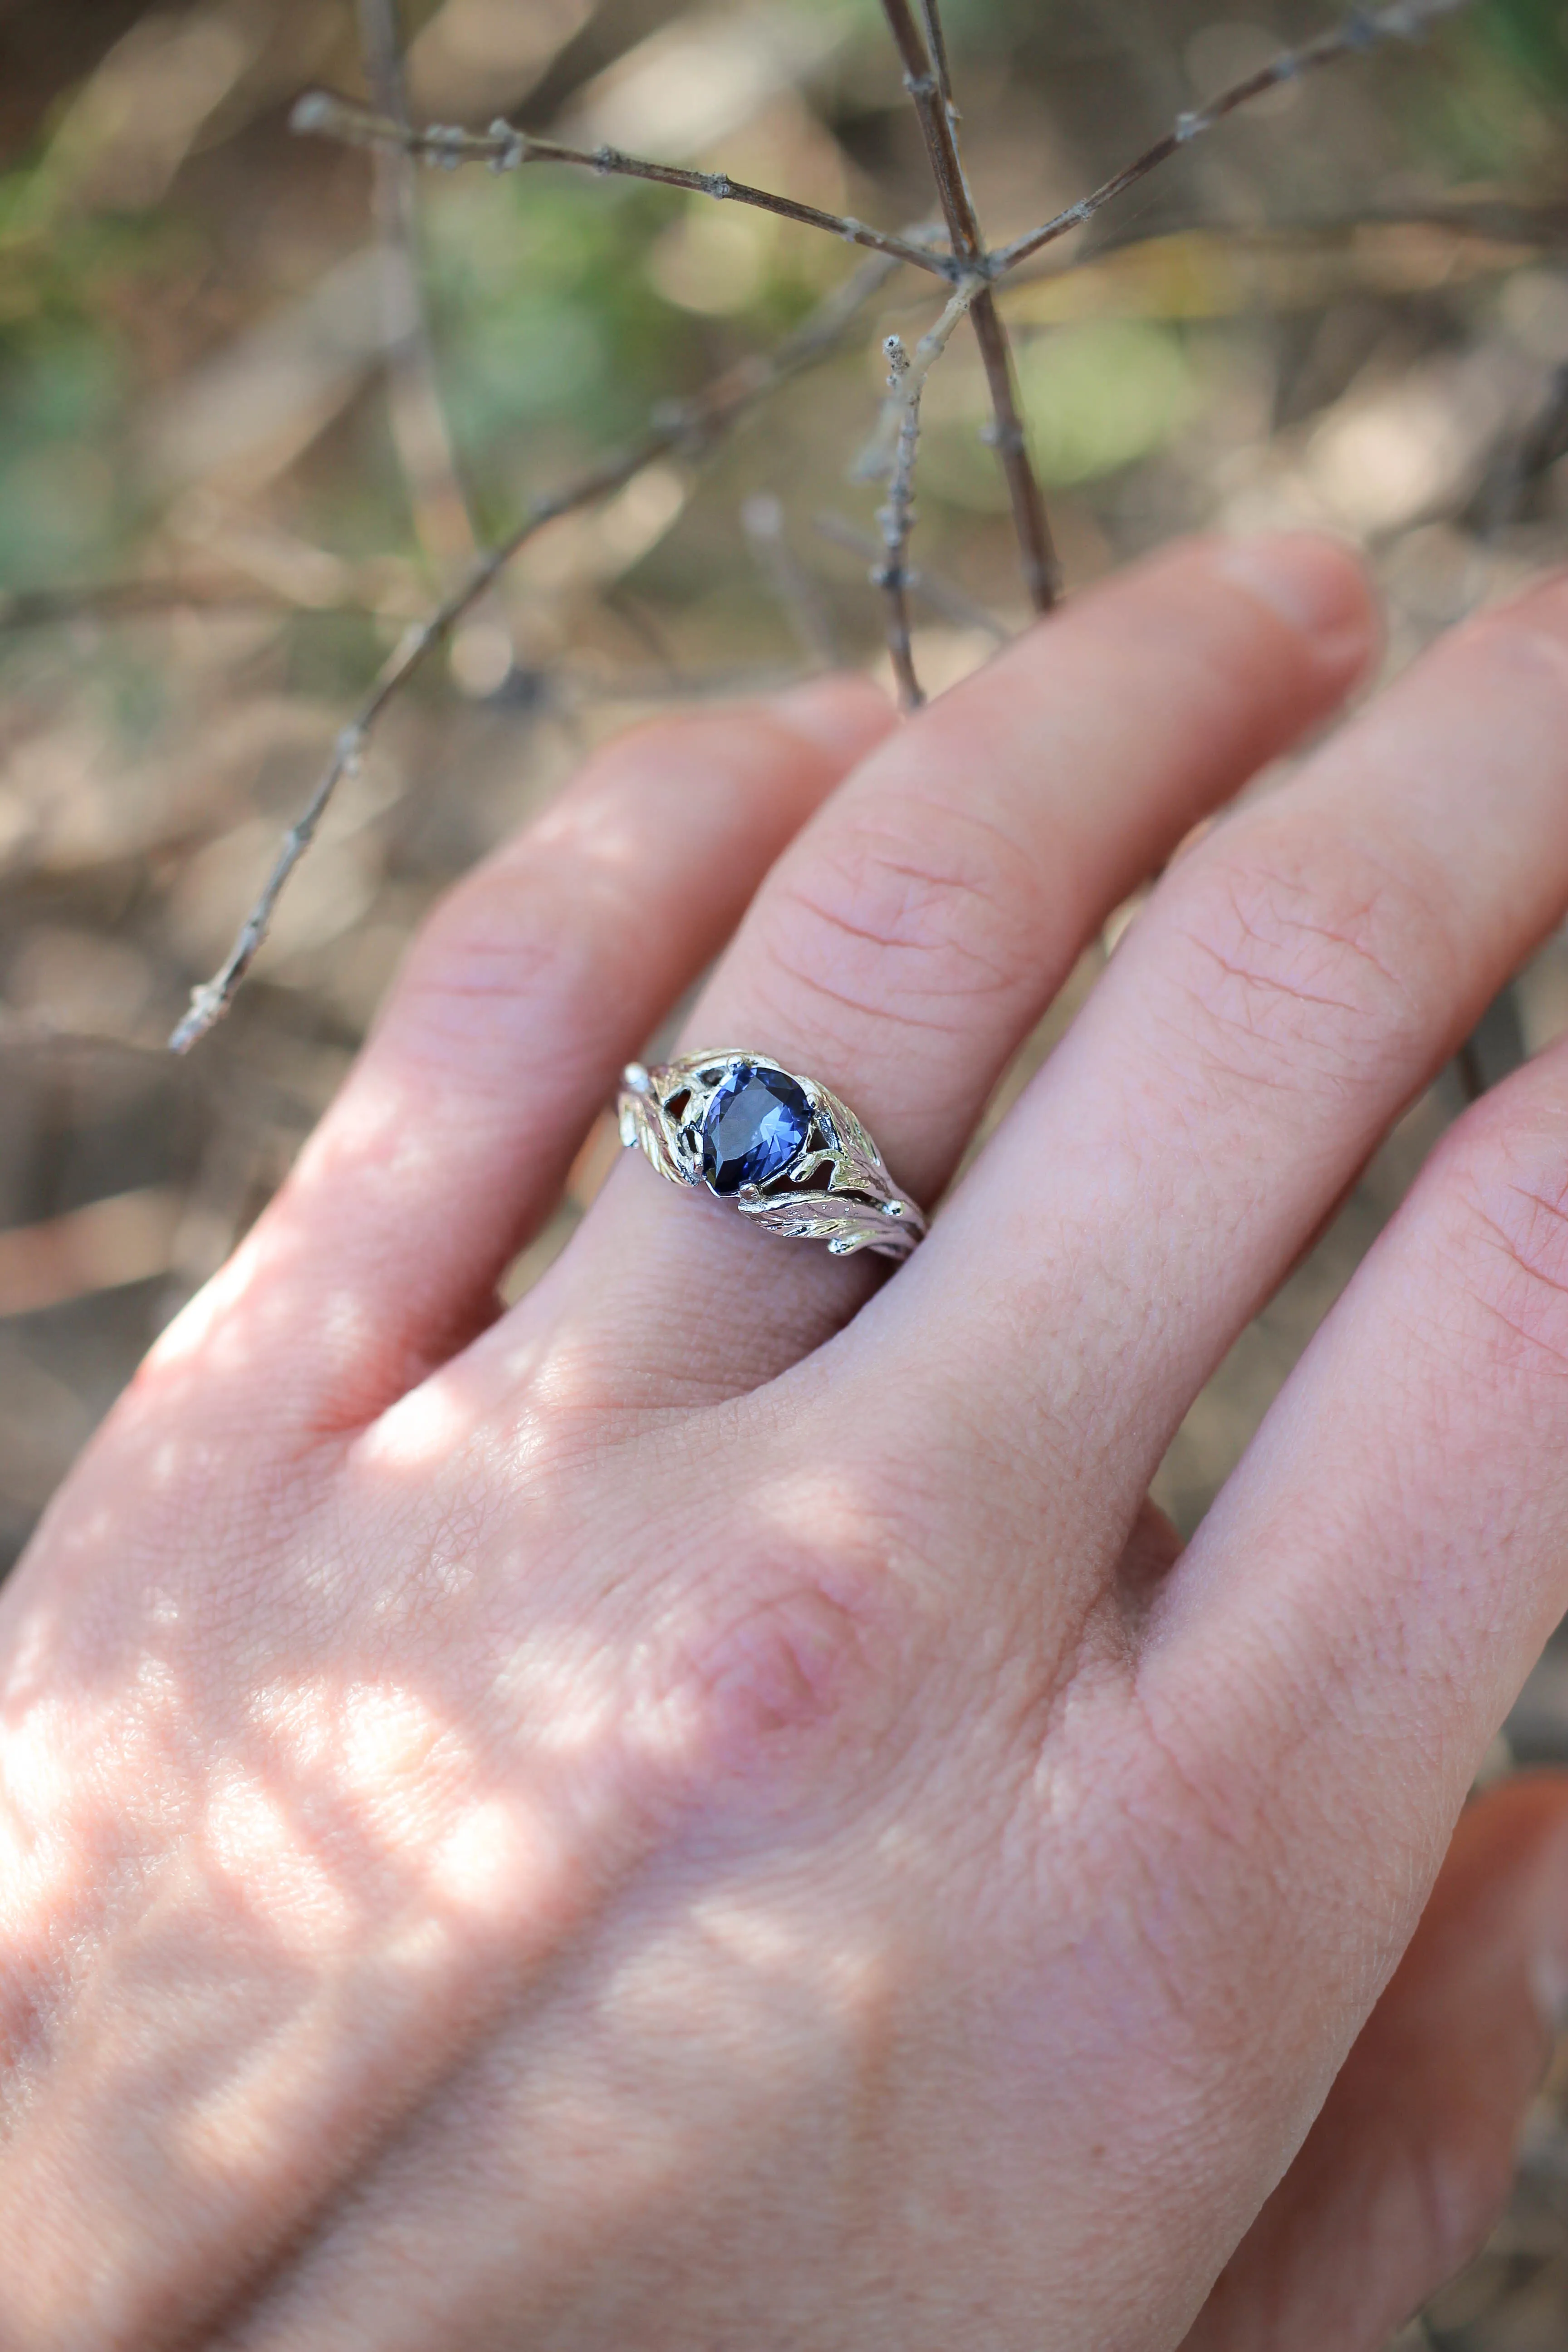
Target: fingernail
1316 586
844 715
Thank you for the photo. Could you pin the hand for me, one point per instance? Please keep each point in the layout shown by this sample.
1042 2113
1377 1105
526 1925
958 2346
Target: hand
706 1811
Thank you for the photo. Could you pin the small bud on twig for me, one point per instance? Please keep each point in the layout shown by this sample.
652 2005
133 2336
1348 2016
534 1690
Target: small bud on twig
313 113
511 147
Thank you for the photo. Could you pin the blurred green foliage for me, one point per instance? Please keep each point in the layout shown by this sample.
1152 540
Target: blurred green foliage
1533 36
542 311
59 509
1102 395
70 282
554 337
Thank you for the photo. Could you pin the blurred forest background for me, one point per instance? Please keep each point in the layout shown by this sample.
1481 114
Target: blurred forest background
244 444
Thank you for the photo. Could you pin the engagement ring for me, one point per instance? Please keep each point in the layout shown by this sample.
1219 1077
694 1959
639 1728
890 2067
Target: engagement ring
788 1153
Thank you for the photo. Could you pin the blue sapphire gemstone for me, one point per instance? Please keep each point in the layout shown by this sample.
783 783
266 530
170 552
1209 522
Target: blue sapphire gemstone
756 1124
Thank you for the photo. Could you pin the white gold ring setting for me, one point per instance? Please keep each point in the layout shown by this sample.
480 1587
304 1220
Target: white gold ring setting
784 1150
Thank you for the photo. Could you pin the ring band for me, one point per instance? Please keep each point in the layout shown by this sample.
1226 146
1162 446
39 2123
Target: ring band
785 1151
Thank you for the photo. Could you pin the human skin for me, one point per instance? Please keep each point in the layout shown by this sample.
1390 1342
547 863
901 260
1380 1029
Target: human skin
706 1810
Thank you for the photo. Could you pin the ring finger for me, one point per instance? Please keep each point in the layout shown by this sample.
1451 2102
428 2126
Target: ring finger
520 998
911 936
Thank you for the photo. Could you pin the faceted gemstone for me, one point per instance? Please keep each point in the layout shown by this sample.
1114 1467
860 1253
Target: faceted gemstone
756 1124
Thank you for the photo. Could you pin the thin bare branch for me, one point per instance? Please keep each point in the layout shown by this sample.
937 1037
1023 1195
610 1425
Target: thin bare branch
896 519
964 611
443 520
936 44
1041 568
1030 523
1363 28
924 86
115 600
891 457
696 422
507 149
800 598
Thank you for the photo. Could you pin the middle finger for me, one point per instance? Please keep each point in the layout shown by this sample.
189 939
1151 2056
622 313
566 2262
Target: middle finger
1290 987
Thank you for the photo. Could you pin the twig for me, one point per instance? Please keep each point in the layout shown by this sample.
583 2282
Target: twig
924 83
897 520
936 43
697 420
951 602
38 608
762 520
506 148
1405 20
891 457
443 520
875 461
924 86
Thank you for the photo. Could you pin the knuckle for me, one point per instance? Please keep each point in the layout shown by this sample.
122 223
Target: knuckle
1504 1233
1318 959
776 1674
906 925
498 934
498 947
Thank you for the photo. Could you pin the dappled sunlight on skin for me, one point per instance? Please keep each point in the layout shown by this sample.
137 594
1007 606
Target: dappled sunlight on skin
295 1879
602 831
82 1772
760 1939
622 1850
343 1869
422 1430
242 1329
316 1840
194 1327
706 2043
370 1124
31 1643
251 1837
489 1863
